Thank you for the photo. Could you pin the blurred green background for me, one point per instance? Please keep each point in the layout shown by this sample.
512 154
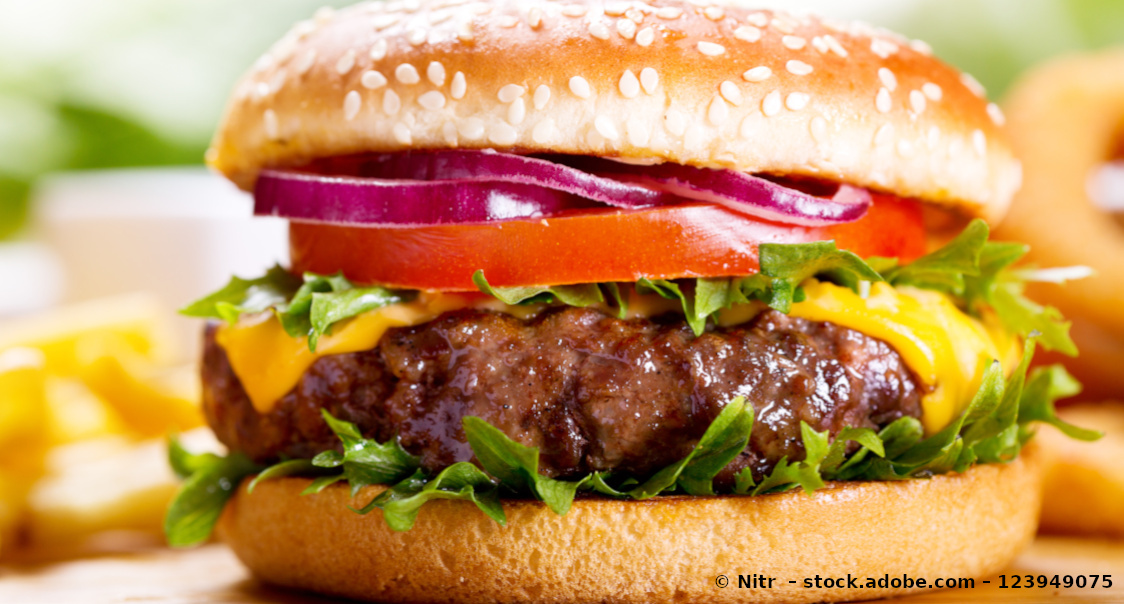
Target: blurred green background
90 84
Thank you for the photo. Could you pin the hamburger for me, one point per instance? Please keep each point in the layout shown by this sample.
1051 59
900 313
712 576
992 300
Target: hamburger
618 302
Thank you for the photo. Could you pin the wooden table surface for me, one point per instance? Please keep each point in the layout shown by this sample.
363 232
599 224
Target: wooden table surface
212 574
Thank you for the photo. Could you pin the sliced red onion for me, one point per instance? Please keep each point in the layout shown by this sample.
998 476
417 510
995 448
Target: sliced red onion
376 201
445 187
738 191
492 166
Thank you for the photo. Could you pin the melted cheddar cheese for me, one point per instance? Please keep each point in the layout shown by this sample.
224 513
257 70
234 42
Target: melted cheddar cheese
944 347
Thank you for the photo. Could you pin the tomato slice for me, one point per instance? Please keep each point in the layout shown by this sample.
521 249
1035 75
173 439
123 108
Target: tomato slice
587 246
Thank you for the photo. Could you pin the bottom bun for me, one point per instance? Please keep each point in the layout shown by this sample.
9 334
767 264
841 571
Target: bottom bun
667 549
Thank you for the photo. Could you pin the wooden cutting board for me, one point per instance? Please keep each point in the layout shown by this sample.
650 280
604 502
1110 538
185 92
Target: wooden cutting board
213 574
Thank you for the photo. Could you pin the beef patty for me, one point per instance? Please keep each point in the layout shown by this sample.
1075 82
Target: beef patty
593 392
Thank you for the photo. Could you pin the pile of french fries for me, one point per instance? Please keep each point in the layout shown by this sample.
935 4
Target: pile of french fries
88 395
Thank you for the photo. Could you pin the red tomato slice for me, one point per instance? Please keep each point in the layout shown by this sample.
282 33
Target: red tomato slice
587 246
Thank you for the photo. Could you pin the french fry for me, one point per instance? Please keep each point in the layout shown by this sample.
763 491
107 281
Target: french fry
23 440
140 402
136 322
105 484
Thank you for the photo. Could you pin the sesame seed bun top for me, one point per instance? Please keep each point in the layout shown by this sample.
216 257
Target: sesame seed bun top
667 80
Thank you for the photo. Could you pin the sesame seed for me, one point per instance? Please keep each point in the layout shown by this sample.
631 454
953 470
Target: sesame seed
436 73
511 92
973 85
649 80
534 17
373 80
771 104
616 9
711 49
432 100
606 128
757 74
382 22
714 13
818 127
731 92
507 21
449 131
269 120
629 85
580 87
261 90
464 32
351 105
835 46
406 74
883 101
920 46
889 80
799 68
906 148
503 134
718 112
883 48
306 62
669 12
758 19
516 112
819 44
793 42
471 128
996 114
542 96
346 63
626 28
676 122
437 18
646 36
543 131
884 135
378 50
782 26
639 134
458 87
932 91
933 138
797 100
278 81
747 33
634 15
574 10
416 36
599 30
391 103
979 142
917 101
402 134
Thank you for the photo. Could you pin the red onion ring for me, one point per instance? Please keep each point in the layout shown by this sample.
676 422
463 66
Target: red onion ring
443 187
373 201
737 191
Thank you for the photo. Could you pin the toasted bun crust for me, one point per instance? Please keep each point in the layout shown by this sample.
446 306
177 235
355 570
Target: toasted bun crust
662 550
758 91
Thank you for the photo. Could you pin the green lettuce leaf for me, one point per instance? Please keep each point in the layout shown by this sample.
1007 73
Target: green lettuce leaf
197 505
1046 385
516 466
580 296
245 296
365 461
462 481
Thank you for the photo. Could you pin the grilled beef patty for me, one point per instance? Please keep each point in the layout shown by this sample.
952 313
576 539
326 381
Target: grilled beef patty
593 392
